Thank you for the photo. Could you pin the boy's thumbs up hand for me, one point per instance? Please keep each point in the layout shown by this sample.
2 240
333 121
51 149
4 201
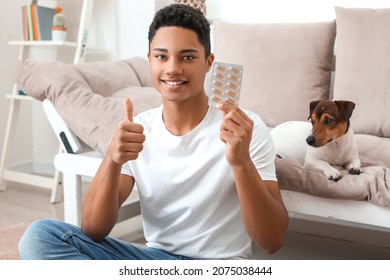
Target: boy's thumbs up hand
128 139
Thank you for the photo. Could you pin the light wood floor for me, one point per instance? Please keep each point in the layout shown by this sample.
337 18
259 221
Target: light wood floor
305 239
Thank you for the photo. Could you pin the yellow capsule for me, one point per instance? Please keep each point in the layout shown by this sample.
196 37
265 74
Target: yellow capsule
235 70
217 91
233 85
234 78
230 101
218 84
216 99
221 68
220 76
232 93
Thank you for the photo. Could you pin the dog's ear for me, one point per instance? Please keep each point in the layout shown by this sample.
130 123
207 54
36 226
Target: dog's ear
313 105
346 108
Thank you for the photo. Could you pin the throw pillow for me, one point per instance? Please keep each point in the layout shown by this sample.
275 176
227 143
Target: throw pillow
290 139
363 67
285 65
89 96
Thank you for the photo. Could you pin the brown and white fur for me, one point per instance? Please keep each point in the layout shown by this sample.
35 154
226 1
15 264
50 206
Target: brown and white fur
331 142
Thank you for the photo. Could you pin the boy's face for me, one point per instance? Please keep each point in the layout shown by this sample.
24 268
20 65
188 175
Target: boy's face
177 63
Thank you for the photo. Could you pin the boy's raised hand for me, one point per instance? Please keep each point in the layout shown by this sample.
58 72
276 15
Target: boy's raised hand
128 139
236 132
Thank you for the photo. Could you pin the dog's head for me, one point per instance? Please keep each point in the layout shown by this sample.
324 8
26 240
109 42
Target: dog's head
330 120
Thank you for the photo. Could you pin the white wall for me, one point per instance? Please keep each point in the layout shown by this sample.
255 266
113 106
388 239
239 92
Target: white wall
120 28
10 30
134 19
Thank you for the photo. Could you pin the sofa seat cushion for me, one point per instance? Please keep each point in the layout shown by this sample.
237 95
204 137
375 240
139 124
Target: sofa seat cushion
285 65
372 185
89 96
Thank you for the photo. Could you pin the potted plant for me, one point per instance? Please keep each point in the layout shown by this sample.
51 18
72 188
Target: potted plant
59 30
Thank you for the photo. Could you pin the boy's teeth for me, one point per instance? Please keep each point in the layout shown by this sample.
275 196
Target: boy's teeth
174 83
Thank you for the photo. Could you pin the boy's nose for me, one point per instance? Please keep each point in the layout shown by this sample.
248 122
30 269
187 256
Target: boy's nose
174 67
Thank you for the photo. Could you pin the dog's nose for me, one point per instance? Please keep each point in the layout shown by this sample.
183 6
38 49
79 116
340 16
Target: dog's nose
310 140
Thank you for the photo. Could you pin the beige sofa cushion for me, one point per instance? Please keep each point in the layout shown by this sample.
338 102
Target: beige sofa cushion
89 96
373 185
285 65
363 67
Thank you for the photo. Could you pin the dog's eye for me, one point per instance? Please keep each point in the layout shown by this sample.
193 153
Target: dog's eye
328 121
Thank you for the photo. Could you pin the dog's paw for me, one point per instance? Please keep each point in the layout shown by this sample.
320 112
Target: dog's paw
354 171
354 167
333 174
335 177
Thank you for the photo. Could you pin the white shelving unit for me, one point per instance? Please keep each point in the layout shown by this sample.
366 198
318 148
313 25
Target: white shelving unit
32 174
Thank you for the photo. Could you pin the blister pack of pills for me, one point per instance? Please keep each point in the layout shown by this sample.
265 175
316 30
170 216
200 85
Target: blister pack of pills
225 84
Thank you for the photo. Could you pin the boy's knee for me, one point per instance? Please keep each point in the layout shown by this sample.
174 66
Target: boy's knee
31 243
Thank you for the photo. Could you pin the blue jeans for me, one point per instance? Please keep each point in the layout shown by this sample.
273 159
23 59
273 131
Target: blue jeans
56 240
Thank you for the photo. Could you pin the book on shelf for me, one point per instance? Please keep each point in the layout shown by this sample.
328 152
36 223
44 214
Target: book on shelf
37 22
25 23
29 20
43 21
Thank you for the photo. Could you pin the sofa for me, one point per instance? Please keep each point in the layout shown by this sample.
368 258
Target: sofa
286 65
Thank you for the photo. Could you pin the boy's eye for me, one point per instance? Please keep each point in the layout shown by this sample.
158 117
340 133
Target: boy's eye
160 56
188 57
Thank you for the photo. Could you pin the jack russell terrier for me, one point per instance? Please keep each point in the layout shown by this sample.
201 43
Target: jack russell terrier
332 141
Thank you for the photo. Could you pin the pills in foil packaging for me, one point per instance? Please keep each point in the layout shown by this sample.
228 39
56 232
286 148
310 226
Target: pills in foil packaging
225 84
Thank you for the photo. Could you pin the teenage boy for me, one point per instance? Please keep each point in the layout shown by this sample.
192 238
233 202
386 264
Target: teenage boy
205 175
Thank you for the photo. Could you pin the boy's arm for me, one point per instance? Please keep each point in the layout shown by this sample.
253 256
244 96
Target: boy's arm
109 188
264 214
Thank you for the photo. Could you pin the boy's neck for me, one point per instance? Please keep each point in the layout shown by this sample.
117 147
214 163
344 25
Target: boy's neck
181 118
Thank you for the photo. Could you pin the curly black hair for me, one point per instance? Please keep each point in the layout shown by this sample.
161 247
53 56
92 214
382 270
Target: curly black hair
184 16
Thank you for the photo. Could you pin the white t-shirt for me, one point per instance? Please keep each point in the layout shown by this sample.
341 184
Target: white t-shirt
189 202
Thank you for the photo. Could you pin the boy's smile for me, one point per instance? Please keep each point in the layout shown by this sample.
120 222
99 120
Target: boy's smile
174 84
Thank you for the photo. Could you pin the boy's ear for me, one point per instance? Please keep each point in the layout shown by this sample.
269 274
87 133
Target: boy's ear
209 62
